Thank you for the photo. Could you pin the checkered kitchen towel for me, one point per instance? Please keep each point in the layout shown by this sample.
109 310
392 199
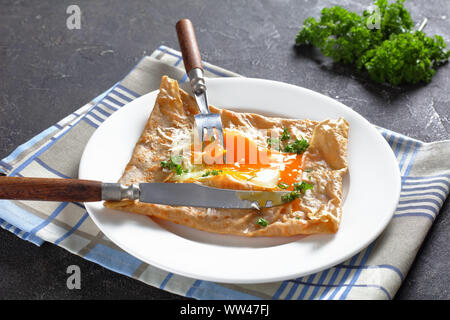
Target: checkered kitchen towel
374 273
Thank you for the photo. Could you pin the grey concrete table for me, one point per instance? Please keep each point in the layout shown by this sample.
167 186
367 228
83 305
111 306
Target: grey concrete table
47 71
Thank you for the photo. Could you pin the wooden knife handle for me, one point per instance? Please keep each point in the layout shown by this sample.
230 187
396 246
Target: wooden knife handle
188 45
47 189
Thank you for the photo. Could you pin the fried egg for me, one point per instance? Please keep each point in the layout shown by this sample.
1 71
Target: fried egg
243 164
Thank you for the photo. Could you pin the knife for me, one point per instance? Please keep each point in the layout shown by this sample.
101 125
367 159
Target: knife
174 194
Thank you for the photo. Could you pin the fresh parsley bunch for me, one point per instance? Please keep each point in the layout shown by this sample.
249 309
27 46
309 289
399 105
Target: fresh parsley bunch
391 53
405 58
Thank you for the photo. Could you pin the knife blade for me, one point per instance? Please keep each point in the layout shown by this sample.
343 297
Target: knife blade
193 195
196 195
174 194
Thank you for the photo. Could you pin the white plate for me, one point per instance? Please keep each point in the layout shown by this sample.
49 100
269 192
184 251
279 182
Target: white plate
372 193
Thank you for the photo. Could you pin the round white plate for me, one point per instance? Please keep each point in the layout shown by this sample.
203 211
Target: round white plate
372 191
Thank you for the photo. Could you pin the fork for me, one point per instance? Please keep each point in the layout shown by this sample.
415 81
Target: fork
205 120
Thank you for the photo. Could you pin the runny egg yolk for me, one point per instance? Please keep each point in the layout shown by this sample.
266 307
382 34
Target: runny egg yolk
247 161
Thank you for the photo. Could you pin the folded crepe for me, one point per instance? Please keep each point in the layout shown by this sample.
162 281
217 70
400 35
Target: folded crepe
170 129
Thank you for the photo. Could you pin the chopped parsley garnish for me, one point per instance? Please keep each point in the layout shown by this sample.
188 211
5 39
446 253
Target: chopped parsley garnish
212 172
174 164
291 196
275 142
283 185
298 189
179 170
298 146
285 135
262 222
302 187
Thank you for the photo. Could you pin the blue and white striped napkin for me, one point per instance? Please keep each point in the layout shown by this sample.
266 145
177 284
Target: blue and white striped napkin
374 273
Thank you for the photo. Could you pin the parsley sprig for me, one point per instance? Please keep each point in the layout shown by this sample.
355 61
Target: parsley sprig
302 186
390 52
262 222
212 172
299 188
298 146
291 196
285 135
174 164
283 185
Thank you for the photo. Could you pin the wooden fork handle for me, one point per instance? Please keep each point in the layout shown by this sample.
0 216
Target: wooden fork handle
47 189
188 45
